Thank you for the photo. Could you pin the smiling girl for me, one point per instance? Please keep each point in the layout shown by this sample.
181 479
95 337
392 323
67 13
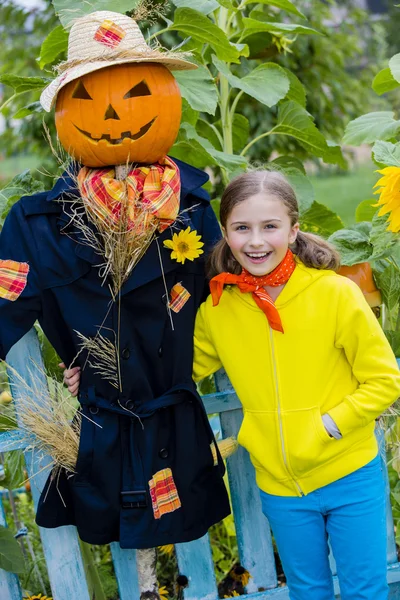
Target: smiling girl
312 369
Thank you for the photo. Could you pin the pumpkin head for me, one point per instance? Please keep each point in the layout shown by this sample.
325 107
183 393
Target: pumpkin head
361 274
119 114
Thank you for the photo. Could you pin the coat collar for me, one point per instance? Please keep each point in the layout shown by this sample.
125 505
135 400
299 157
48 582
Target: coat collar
149 267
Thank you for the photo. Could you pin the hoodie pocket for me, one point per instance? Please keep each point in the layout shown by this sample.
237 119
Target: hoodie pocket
307 441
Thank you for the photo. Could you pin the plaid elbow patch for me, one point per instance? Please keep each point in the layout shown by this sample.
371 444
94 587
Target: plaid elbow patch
109 33
13 278
163 492
179 297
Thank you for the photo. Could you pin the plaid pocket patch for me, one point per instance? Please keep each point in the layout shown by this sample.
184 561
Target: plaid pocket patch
13 278
163 492
179 297
109 33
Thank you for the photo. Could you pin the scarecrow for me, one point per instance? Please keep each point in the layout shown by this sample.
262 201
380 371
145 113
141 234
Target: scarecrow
111 263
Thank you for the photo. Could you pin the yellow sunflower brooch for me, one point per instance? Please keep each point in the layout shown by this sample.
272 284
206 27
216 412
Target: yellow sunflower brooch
185 245
389 200
37 597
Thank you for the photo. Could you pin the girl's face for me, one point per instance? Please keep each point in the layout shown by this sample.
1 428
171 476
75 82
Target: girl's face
258 232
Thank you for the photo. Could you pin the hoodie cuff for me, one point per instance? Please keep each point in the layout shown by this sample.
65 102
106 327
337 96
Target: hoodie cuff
346 417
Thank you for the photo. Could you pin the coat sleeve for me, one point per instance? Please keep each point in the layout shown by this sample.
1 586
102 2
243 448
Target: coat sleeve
20 301
373 363
206 360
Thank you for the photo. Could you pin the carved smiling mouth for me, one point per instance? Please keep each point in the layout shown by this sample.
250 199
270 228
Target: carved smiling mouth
124 135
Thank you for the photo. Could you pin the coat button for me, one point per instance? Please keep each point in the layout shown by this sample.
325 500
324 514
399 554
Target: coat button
163 453
130 404
160 351
125 353
94 410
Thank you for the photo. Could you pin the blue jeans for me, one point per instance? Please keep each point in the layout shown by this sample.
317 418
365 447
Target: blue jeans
352 512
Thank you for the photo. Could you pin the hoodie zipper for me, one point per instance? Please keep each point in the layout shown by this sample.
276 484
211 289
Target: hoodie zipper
300 491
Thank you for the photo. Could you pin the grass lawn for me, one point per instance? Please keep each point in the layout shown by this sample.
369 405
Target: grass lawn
342 193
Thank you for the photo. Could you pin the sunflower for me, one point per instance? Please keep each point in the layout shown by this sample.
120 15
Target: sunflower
163 593
185 245
37 597
234 595
389 200
168 549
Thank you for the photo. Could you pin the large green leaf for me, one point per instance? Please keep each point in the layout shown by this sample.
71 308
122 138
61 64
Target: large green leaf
384 82
22 184
382 240
297 91
192 23
192 152
386 153
69 10
370 127
294 120
203 6
55 43
394 66
282 4
189 115
267 83
11 557
24 84
206 130
14 464
240 132
353 245
320 219
255 25
366 210
294 172
230 162
29 109
199 89
388 281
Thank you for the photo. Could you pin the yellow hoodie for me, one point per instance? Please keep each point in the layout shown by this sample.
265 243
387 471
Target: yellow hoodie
333 358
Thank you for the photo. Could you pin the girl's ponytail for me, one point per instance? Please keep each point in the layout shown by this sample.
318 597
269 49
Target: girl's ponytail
314 251
221 260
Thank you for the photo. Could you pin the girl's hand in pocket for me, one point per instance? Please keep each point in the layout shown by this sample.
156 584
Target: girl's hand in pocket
71 379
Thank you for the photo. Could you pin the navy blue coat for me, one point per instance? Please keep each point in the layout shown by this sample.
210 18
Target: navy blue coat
158 421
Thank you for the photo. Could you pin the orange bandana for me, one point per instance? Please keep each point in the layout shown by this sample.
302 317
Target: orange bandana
154 189
247 282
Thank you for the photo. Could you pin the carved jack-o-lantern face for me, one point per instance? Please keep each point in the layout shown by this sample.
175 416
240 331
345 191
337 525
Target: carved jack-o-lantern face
123 113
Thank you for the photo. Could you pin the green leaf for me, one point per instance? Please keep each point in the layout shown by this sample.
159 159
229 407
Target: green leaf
394 66
190 151
289 162
282 4
189 115
240 132
384 82
206 130
30 109
394 341
386 153
267 83
11 557
24 84
55 43
203 6
230 162
14 465
320 219
192 23
22 184
370 127
199 89
354 246
383 241
388 282
294 120
365 210
69 10
294 172
255 26
297 91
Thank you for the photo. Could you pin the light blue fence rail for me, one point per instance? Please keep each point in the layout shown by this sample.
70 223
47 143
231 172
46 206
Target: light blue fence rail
61 548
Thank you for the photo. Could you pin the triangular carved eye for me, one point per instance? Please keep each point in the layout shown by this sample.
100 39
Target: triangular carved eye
140 89
81 92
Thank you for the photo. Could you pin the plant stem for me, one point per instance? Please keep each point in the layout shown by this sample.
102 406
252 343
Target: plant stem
153 35
234 104
92 574
259 137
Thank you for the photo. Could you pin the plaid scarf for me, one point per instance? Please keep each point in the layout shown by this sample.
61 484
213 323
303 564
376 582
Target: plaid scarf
247 282
153 189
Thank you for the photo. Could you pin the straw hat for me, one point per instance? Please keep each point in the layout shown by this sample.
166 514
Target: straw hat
102 39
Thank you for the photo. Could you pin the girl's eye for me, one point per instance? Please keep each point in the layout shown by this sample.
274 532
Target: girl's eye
270 226
241 228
